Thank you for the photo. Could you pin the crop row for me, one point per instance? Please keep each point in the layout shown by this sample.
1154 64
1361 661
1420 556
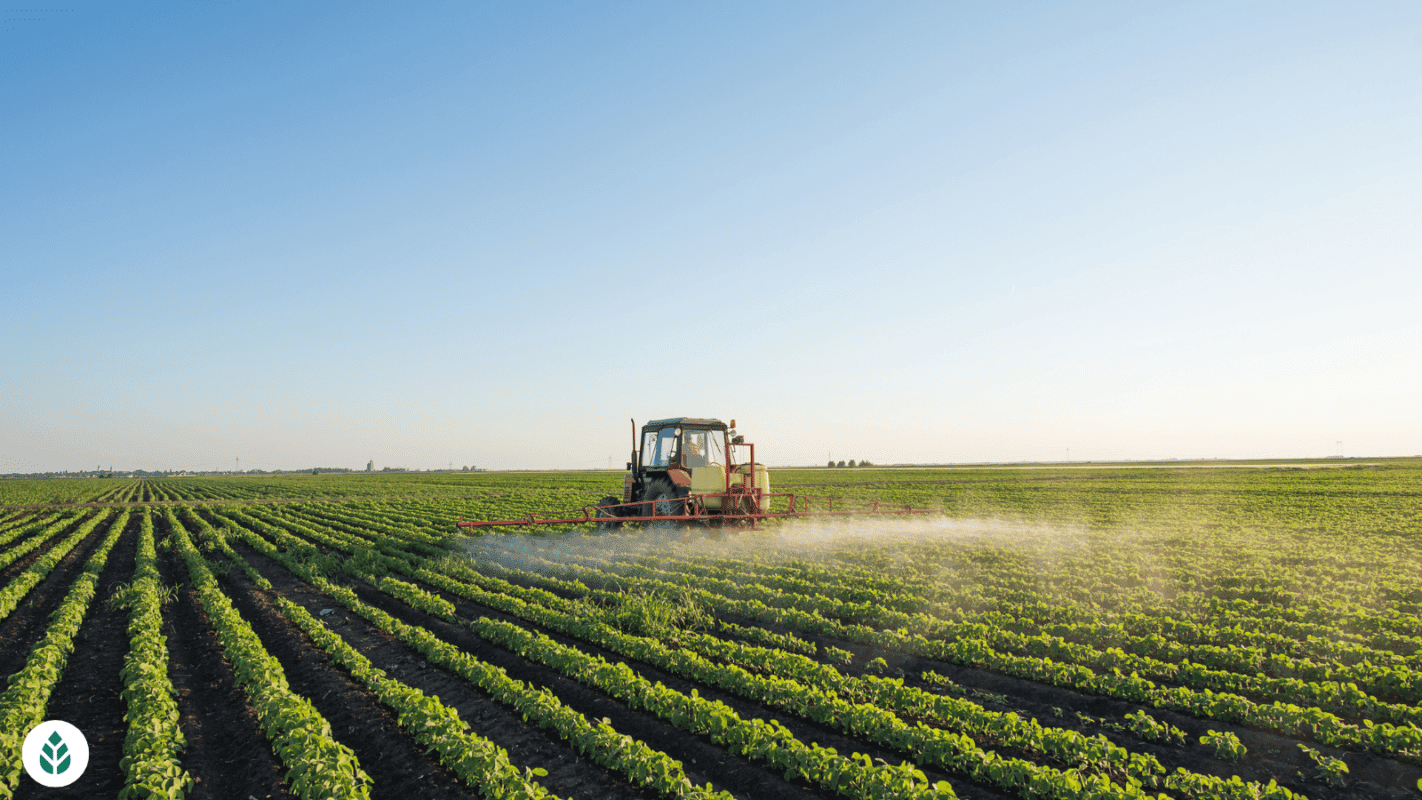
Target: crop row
22 549
317 765
1087 751
23 527
21 584
1367 689
150 749
23 703
481 764
1284 717
602 744
961 599
755 739
1154 657
800 673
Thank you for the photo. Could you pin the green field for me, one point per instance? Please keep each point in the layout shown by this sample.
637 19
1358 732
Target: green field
1204 630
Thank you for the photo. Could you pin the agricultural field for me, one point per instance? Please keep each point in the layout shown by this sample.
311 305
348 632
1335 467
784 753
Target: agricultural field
1106 631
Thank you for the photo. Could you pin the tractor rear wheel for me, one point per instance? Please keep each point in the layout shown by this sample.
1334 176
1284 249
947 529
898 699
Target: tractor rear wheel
606 517
659 500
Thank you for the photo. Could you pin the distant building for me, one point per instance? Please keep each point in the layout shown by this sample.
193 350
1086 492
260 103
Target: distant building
370 465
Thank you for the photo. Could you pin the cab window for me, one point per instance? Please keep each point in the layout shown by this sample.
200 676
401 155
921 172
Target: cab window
659 448
713 452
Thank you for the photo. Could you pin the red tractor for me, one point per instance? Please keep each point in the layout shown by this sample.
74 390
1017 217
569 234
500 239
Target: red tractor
686 468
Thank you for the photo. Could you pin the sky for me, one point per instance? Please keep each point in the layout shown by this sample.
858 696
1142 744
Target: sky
284 235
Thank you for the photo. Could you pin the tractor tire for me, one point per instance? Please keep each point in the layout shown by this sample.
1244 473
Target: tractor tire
606 517
660 497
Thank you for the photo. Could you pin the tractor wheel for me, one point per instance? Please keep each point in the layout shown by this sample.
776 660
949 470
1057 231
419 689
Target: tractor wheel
606 517
659 499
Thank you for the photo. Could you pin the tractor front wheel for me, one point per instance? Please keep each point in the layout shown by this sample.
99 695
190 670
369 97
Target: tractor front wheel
659 500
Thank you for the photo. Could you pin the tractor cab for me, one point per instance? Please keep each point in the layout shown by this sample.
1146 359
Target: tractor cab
677 456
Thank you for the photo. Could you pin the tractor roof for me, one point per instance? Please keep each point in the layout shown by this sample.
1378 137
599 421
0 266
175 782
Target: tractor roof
685 422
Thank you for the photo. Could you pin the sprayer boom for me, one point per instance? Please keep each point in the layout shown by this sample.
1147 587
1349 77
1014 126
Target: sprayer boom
691 510
684 470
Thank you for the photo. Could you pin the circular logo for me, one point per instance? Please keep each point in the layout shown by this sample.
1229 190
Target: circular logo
55 753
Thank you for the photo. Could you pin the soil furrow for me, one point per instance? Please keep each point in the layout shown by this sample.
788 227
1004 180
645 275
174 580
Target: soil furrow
23 563
87 696
568 776
1271 756
804 730
24 627
226 753
397 765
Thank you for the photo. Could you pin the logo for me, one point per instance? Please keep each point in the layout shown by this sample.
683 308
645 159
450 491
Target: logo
55 753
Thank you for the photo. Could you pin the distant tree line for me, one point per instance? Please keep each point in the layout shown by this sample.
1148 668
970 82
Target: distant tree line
852 463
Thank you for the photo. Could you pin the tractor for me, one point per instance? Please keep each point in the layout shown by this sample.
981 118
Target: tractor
685 472
685 467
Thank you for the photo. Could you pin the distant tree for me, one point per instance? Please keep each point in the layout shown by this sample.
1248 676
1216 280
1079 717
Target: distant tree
841 464
830 464
865 464
852 464
314 471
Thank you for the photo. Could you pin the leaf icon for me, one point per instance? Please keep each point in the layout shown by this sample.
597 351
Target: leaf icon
59 751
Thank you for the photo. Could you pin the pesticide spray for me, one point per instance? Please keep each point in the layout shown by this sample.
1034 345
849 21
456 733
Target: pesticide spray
834 541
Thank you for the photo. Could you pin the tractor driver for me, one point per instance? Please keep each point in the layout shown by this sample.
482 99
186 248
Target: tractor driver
695 454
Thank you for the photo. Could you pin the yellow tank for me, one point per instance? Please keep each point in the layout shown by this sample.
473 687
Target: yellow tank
762 482
709 480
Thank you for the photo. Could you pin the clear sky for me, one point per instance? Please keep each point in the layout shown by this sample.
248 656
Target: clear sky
320 233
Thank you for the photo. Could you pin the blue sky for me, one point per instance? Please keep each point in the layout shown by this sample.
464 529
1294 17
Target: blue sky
489 233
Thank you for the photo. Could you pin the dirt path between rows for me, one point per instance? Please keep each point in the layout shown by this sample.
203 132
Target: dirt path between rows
569 776
87 696
397 765
226 754
29 621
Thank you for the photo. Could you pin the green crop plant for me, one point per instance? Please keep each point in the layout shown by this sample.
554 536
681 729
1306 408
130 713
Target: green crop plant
26 696
1332 771
318 765
1150 729
1226 745
662 615
154 740
836 656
